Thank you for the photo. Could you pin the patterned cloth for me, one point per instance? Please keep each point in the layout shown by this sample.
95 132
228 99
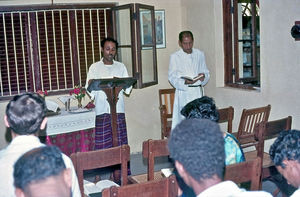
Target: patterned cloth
233 151
78 141
103 131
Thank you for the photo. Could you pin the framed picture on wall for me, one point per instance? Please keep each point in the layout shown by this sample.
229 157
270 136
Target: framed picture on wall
160 29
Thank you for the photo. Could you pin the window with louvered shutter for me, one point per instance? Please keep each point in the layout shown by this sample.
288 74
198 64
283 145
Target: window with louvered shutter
50 49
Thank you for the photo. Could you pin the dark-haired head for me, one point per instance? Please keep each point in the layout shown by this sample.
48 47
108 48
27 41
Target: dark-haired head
185 34
286 147
198 144
203 107
42 170
108 39
25 113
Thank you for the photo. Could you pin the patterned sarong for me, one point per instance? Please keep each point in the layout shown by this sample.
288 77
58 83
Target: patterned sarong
103 131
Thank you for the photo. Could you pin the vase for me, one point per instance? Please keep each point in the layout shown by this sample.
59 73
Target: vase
79 102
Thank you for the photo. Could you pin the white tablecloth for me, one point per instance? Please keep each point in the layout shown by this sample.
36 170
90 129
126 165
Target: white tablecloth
72 121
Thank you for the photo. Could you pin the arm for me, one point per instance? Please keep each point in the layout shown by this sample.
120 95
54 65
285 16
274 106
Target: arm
203 70
125 74
175 74
89 79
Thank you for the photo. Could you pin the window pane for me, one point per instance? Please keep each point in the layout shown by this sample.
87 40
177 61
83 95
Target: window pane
146 27
147 65
125 56
123 27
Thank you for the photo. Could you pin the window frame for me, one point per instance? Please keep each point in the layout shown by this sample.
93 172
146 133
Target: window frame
231 46
33 63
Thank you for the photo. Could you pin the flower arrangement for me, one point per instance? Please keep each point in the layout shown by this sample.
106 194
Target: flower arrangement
42 93
78 92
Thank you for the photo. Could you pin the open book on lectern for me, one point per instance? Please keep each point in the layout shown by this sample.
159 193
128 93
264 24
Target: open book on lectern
98 84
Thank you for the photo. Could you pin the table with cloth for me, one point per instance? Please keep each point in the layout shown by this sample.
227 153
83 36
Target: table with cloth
72 131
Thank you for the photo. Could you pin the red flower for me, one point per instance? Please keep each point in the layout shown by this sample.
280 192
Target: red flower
77 90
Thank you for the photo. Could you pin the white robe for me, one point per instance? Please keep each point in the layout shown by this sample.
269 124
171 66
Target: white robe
183 64
99 70
230 189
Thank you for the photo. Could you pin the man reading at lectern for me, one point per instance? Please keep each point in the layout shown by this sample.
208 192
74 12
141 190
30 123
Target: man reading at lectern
107 67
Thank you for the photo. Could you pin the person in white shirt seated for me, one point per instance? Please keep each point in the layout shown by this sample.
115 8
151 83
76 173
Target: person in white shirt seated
25 116
285 154
197 147
42 172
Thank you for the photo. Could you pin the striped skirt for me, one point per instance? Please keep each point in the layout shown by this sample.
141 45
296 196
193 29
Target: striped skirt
103 131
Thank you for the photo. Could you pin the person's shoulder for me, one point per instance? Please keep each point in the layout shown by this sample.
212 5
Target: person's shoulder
119 64
176 53
198 51
68 161
253 193
96 63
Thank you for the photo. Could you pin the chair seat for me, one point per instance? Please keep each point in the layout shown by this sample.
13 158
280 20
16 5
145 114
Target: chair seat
141 178
267 162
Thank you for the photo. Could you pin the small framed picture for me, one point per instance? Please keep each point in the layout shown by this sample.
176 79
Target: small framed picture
160 29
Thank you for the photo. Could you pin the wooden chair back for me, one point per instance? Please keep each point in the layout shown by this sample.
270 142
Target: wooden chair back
166 187
247 123
152 149
166 101
226 115
269 130
245 172
99 159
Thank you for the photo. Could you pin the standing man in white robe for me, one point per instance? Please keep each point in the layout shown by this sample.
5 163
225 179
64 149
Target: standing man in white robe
186 62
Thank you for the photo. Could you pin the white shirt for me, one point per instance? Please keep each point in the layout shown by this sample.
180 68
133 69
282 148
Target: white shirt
99 70
230 189
183 64
296 193
8 156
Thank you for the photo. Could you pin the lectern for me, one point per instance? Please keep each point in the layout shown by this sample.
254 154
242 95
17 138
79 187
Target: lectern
112 87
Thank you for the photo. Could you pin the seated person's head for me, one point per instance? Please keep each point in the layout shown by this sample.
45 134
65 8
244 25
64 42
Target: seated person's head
203 107
197 146
25 114
41 172
285 154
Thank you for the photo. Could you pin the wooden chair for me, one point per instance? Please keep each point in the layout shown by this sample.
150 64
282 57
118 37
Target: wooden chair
151 150
245 172
166 101
99 159
265 131
166 187
249 118
226 115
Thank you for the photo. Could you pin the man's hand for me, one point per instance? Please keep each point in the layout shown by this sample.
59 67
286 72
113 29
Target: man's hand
90 81
201 77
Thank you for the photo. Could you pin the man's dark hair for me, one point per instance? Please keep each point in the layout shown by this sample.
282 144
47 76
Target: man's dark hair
198 144
286 147
203 107
25 113
185 34
36 165
108 39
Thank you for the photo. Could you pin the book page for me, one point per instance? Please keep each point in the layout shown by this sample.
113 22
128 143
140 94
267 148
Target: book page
187 78
105 184
167 171
89 187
